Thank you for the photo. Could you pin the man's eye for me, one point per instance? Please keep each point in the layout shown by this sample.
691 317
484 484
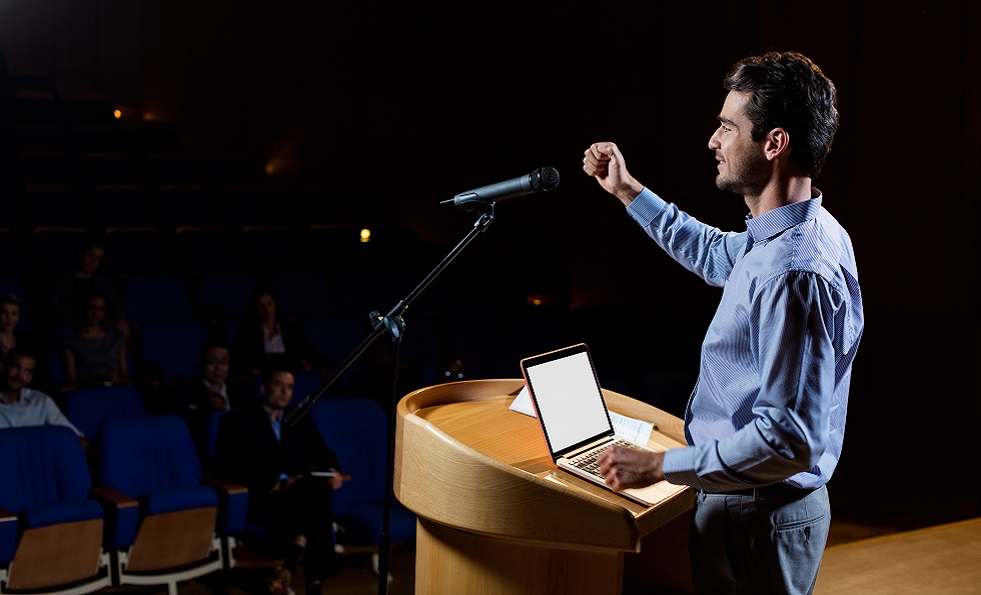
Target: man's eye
725 128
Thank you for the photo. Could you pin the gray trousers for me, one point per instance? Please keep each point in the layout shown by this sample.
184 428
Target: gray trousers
763 540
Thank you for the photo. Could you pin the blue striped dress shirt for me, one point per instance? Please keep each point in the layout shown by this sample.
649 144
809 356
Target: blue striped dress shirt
776 361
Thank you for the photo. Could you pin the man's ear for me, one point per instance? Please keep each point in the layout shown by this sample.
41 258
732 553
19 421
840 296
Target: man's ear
777 144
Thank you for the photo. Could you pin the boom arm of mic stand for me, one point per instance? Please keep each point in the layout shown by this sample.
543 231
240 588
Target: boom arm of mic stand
392 322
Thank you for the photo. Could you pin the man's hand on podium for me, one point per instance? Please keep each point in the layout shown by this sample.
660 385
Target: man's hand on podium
624 467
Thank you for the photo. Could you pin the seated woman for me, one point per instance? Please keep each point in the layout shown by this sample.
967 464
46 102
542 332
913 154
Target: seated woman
95 353
265 339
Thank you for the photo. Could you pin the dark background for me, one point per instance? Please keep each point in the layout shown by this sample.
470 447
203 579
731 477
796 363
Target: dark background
386 109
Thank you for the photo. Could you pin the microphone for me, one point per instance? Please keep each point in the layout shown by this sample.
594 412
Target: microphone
542 179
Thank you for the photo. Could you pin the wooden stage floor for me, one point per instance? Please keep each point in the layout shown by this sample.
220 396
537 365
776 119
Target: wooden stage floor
943 559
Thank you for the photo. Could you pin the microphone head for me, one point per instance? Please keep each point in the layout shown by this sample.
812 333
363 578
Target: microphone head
544 179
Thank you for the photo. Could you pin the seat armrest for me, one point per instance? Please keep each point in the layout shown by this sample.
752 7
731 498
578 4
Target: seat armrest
220 485
112 497
233 504
122 515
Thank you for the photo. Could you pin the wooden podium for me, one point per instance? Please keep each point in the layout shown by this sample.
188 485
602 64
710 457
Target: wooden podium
496 516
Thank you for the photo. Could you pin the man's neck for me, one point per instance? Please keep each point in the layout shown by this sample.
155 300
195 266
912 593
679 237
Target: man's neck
10 397
778 193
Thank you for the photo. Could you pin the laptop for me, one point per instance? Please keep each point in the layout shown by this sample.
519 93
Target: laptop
566 394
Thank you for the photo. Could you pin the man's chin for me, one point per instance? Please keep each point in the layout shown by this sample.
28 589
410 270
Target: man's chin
727 185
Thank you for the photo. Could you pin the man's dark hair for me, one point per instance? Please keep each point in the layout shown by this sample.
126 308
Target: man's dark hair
787 90
211 343
12 298
18 351
274 366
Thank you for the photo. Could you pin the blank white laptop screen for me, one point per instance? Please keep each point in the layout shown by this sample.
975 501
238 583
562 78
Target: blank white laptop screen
565 392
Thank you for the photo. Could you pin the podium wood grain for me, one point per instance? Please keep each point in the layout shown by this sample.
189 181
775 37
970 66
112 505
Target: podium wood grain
497 516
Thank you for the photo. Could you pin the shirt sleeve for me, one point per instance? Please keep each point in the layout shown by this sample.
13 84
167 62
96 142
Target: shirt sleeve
791 411
702 249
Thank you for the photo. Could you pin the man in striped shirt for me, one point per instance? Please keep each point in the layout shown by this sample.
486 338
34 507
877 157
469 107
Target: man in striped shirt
766 420
21 405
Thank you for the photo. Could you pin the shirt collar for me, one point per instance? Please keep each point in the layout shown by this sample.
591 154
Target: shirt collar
775 221
212 386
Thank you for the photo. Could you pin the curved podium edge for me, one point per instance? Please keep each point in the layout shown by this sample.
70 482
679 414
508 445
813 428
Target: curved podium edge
445 481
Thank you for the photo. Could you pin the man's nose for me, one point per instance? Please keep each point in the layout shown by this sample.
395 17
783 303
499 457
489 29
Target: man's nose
713 143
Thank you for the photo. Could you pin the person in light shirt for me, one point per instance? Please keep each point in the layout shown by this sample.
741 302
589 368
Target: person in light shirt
765 422
21 405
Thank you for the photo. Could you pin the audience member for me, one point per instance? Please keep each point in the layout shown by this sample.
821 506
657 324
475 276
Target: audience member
196 399
95 353
264 339
21 405
275 460
72 288
13 334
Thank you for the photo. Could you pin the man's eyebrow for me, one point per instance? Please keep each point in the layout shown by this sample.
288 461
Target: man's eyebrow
726 121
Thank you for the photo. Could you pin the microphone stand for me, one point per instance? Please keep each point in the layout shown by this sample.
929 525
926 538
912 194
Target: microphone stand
394 324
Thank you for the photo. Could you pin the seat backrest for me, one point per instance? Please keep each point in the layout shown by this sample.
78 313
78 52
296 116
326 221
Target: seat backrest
53 205
89 407
173 345
334 338
160 297
44 465
56 248
134 250
211 433
356 429
11 246
228 291
148 453
303 292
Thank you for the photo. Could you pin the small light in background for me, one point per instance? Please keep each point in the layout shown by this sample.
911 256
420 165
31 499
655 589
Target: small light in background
118 113
365 235
540 299
276 166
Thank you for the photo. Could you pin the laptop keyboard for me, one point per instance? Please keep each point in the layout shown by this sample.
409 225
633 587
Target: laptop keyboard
587 460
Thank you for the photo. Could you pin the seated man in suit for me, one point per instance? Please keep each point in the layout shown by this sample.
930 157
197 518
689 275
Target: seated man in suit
196 399
275 460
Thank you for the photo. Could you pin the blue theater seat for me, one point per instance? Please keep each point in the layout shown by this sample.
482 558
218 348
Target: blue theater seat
51 532
357 430
88 407
167 518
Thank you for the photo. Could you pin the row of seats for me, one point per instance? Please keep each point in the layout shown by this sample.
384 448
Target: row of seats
171 317
140 511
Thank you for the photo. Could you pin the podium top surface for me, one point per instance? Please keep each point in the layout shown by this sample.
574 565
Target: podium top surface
464 459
